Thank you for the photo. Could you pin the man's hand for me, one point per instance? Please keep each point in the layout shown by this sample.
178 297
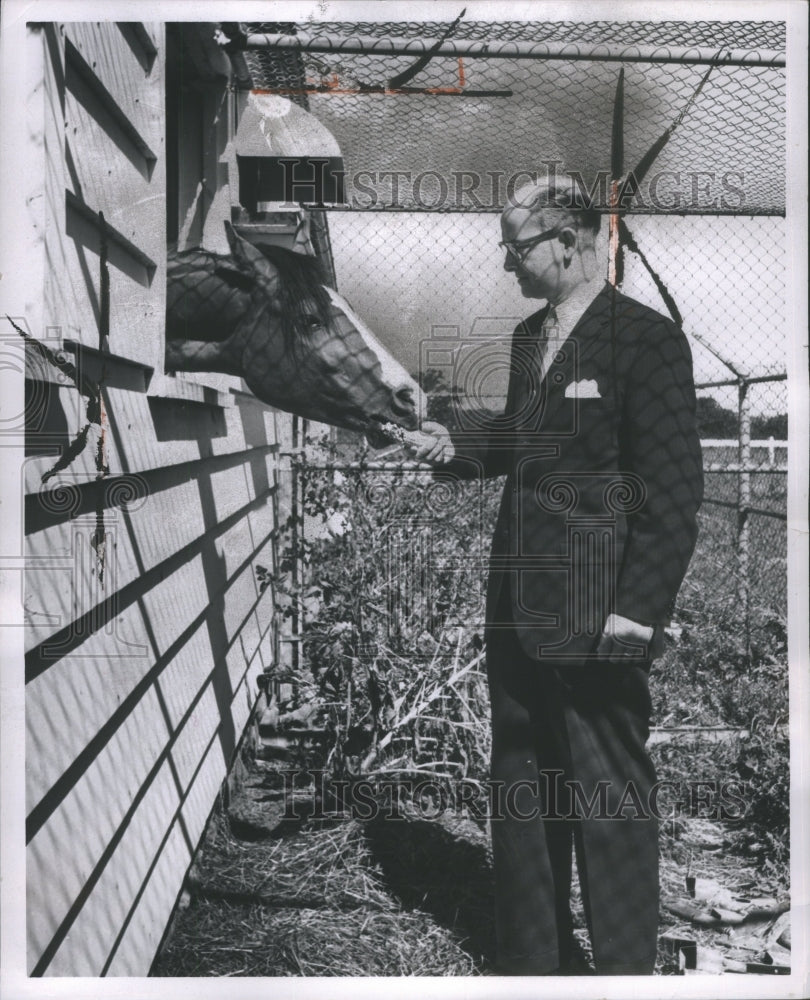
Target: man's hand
431 443
620 635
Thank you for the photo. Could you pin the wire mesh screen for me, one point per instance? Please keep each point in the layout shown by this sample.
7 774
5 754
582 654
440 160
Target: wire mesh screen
464 126
279 71
447 139
717 566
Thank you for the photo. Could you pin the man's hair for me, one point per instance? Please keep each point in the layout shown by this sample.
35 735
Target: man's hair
561 203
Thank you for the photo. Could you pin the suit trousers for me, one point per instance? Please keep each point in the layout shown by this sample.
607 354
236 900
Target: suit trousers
569 765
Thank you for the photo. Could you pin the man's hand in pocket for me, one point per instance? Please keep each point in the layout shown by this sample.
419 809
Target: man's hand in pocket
623 639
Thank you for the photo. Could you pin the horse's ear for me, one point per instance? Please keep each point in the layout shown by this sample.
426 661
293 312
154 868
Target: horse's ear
247 254
236 277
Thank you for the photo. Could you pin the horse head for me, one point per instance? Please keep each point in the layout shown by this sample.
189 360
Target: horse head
266 315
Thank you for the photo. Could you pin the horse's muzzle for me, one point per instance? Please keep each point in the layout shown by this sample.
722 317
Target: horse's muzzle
405 405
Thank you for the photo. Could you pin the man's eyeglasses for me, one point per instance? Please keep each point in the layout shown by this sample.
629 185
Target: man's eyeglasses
520 249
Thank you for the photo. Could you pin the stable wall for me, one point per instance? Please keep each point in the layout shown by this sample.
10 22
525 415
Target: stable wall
149 499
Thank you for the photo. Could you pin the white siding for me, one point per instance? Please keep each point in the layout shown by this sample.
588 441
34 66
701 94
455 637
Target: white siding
142 661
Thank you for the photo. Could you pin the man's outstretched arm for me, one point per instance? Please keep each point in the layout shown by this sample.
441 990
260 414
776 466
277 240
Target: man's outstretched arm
465 456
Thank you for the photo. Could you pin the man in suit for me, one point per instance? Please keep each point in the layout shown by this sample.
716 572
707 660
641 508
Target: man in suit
596 528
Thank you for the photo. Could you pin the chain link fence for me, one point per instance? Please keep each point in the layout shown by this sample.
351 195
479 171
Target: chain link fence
438 125
508 98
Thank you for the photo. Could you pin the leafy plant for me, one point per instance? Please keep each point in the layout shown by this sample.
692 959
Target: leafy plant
391 661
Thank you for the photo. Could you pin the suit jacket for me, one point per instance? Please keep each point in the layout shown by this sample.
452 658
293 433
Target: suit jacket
604 478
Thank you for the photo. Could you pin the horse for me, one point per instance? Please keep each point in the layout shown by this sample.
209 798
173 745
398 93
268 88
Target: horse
265 314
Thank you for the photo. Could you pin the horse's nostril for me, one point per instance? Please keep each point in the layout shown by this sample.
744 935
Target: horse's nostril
403 400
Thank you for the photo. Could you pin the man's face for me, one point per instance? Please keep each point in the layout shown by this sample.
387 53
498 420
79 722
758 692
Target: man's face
540 271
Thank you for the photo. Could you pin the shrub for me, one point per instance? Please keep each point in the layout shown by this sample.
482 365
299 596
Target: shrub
391 661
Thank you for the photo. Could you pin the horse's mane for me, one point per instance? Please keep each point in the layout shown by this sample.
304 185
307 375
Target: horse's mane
302 291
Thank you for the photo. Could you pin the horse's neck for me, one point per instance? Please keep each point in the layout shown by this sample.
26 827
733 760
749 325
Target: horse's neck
201 356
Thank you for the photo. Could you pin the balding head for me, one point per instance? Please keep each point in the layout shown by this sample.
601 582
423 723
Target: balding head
559 203
549 235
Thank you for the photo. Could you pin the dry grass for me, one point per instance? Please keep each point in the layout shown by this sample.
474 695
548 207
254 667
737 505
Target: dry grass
391 898
328 867
224 939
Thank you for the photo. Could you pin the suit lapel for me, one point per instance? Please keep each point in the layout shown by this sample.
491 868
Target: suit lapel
523 341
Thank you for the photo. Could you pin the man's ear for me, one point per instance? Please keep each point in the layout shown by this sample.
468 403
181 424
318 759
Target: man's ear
568 238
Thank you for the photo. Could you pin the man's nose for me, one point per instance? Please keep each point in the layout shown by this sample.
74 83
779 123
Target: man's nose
509 264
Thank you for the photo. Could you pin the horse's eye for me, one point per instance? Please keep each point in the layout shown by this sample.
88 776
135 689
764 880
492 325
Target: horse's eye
311 323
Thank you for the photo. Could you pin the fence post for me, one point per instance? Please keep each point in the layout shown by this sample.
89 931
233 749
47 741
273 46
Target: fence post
297 511
743 505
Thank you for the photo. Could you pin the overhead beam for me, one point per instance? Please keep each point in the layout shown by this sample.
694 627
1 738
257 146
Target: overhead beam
306 41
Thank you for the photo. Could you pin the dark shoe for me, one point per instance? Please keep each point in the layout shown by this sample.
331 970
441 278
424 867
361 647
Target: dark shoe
577 963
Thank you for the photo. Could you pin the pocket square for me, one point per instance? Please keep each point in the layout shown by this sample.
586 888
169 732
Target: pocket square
584 389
